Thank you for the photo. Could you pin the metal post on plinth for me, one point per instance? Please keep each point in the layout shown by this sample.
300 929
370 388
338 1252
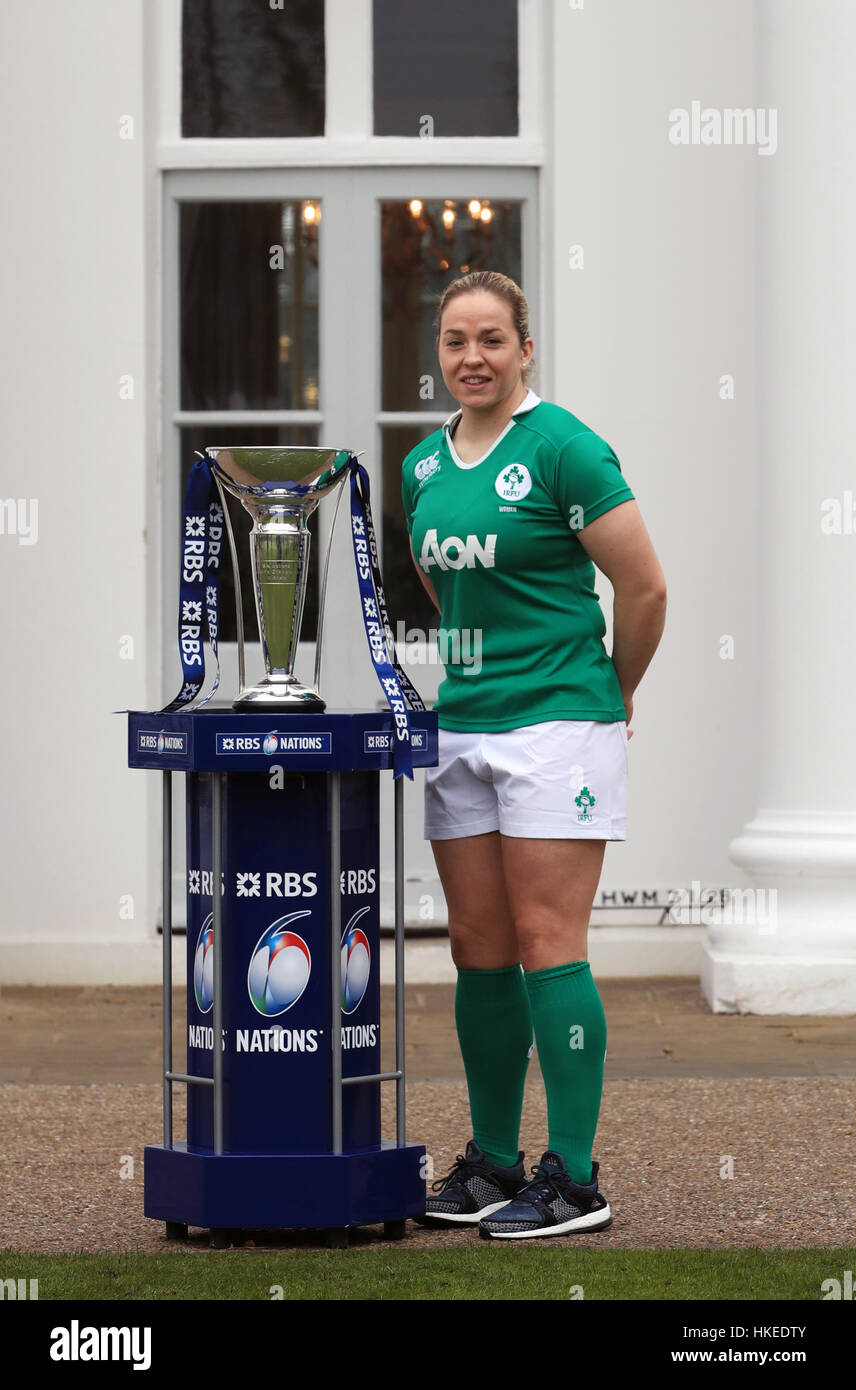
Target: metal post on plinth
217 909
335 958
400 1084
166 888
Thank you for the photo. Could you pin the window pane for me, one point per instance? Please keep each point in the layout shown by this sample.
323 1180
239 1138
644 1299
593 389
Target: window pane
249 305
453 63
406 598
251 69
424 246
202 436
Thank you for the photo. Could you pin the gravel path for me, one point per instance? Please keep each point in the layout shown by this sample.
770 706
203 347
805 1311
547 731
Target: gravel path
661 1145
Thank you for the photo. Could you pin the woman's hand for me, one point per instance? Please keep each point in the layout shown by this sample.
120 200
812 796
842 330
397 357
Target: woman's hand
628 709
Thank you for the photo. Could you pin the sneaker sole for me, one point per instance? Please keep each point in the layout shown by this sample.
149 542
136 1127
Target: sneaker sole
593 1221
469 1218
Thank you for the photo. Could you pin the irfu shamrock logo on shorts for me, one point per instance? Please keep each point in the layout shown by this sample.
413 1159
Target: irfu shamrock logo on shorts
513 482
586 801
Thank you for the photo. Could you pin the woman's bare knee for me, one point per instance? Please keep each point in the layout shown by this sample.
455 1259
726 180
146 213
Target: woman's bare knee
480 945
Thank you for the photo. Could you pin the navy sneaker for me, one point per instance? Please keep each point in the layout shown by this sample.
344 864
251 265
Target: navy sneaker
474 1187
552 1204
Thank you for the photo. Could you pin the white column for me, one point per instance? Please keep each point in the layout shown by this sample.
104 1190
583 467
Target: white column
802 840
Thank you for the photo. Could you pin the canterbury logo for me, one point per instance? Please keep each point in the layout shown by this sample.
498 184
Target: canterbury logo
453 553
425 467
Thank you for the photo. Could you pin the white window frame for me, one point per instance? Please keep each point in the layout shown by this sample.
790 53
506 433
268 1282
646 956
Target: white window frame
348 137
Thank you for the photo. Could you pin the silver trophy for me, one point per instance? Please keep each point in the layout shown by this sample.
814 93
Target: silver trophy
280 487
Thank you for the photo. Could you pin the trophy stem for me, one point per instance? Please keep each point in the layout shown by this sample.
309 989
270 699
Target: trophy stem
279 554
280 557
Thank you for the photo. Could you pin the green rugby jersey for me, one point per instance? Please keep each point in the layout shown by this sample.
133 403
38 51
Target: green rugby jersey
521 628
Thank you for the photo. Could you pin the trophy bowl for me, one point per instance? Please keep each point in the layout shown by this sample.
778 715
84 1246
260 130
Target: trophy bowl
280 487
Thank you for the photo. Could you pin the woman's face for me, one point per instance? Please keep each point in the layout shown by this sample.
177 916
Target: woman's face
481 356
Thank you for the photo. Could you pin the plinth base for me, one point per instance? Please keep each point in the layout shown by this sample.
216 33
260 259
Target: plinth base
284 1191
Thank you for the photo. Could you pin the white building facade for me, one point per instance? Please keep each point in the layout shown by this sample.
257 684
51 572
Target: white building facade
193 259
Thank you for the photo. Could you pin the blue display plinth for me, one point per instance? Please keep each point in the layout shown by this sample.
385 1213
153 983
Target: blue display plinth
283 956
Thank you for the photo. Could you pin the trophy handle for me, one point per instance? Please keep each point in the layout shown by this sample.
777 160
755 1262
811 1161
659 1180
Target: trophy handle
320 632
239 602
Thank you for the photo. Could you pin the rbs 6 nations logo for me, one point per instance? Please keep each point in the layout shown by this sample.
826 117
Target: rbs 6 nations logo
203 966
279 967
356 963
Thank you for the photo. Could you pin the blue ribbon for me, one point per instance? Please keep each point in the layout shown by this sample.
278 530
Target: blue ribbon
198 598
393 682
202 545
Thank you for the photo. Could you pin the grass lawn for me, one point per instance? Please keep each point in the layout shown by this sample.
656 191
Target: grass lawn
491 1272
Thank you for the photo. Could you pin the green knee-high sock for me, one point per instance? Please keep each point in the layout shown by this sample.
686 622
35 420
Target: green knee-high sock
570 1034
495 1034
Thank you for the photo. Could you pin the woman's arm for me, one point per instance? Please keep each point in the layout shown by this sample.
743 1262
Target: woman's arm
429 587
619 544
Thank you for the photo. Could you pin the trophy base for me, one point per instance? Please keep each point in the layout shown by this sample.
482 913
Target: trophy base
287 695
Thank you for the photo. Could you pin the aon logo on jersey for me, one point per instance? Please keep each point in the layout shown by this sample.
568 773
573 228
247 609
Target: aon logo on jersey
456 554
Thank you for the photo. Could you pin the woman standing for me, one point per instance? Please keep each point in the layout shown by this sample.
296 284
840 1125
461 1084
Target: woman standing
508 505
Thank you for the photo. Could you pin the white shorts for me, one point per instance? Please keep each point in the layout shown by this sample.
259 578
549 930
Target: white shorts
560 779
